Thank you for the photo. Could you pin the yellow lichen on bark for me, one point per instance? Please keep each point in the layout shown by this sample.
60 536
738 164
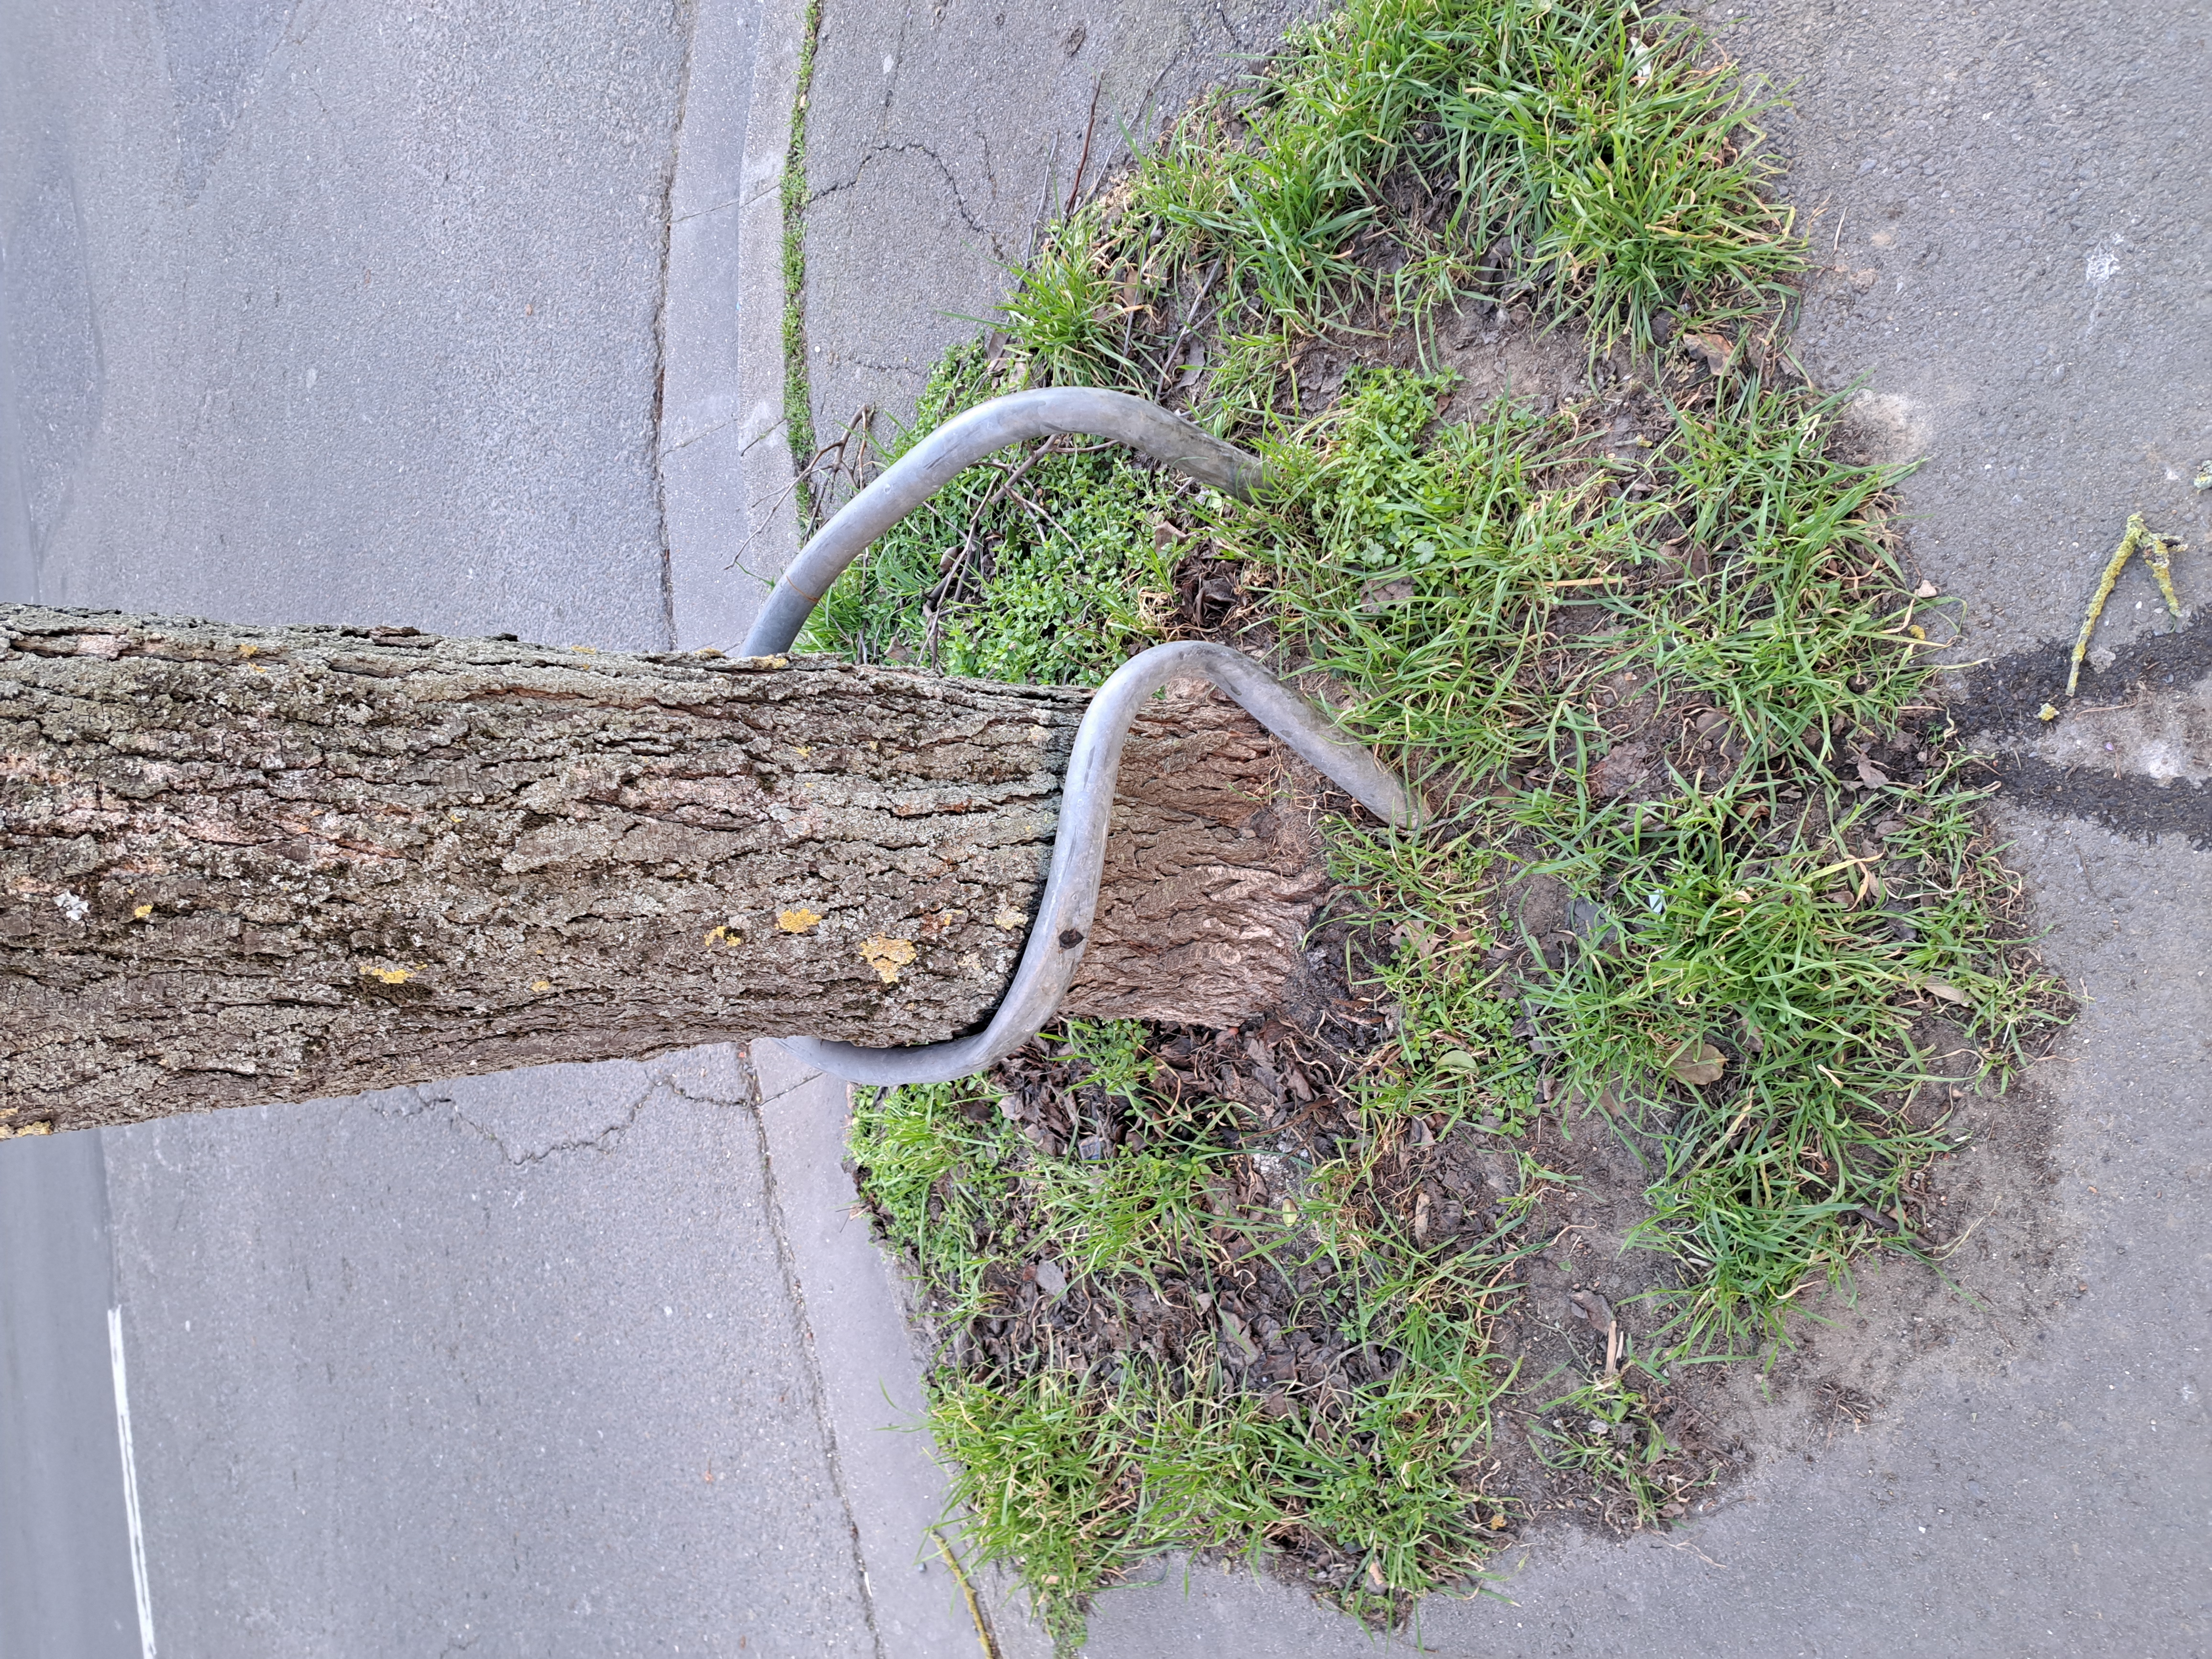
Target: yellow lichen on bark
888 955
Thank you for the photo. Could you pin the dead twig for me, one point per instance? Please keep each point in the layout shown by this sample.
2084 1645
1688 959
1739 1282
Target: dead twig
1089 127
983 1635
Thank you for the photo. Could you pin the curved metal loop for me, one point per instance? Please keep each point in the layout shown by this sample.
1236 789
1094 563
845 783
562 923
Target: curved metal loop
1062 927
1078 412
1057 937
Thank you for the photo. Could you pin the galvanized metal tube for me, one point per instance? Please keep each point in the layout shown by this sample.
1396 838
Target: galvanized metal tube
1063 927
960 443
1058 936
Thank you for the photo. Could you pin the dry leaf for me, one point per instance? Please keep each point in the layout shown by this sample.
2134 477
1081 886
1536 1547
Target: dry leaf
1051 1280
1712 348
1926 591
1871 774
1948 993
1239 1338
1607 1102
1592 1307
1698 1063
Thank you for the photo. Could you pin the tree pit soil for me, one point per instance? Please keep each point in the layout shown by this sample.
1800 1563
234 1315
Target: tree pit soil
1273 1320
1960 1282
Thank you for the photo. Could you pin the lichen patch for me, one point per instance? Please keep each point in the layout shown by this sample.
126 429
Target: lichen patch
798 920
887 956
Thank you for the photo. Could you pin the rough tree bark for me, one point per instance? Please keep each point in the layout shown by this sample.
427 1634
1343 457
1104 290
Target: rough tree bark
244 865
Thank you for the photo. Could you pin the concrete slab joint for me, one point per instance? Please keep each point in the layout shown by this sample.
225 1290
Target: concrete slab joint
725 463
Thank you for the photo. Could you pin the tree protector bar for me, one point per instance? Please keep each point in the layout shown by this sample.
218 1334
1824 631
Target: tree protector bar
1055 947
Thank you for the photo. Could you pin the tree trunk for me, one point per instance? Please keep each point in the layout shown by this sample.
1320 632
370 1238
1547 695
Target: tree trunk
242 865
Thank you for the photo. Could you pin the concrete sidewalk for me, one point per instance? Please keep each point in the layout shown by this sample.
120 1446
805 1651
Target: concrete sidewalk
469 322
941 140
2019 266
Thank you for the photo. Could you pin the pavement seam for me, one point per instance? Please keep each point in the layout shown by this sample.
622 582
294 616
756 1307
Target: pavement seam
818 1392
667 216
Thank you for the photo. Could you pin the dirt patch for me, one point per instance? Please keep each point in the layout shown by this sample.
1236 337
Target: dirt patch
1585 1433
1958 1277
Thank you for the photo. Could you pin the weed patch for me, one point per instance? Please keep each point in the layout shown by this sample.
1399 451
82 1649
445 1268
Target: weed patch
797 393
1649 1040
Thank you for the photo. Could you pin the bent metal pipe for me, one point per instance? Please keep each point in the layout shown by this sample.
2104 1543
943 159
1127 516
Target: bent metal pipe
1055 947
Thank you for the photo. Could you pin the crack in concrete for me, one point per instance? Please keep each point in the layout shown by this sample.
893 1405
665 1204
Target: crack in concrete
959 200
782 1094
683 1093
605 1140
700 213
383 1105
908 369
703 433
750 1082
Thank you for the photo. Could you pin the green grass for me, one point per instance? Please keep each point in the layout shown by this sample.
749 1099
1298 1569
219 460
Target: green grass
1041 567
1618 164
1078 1479
1424 569
1603 1429
1756 941
1783 949
1081 1479
798 391
939 1170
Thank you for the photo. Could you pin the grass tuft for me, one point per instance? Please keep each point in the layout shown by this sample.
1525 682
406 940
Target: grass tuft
1042 566
798 391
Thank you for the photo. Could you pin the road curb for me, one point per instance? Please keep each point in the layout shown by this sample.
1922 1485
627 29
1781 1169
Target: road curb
729 506
851 1311
727 495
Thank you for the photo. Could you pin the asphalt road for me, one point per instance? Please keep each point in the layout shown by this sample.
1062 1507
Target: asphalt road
337 312
65 1578
326 312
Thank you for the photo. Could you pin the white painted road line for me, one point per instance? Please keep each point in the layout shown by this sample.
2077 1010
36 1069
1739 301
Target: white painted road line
130 1483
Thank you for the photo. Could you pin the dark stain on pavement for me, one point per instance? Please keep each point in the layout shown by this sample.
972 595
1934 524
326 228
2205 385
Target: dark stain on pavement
2138 806
1996 706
